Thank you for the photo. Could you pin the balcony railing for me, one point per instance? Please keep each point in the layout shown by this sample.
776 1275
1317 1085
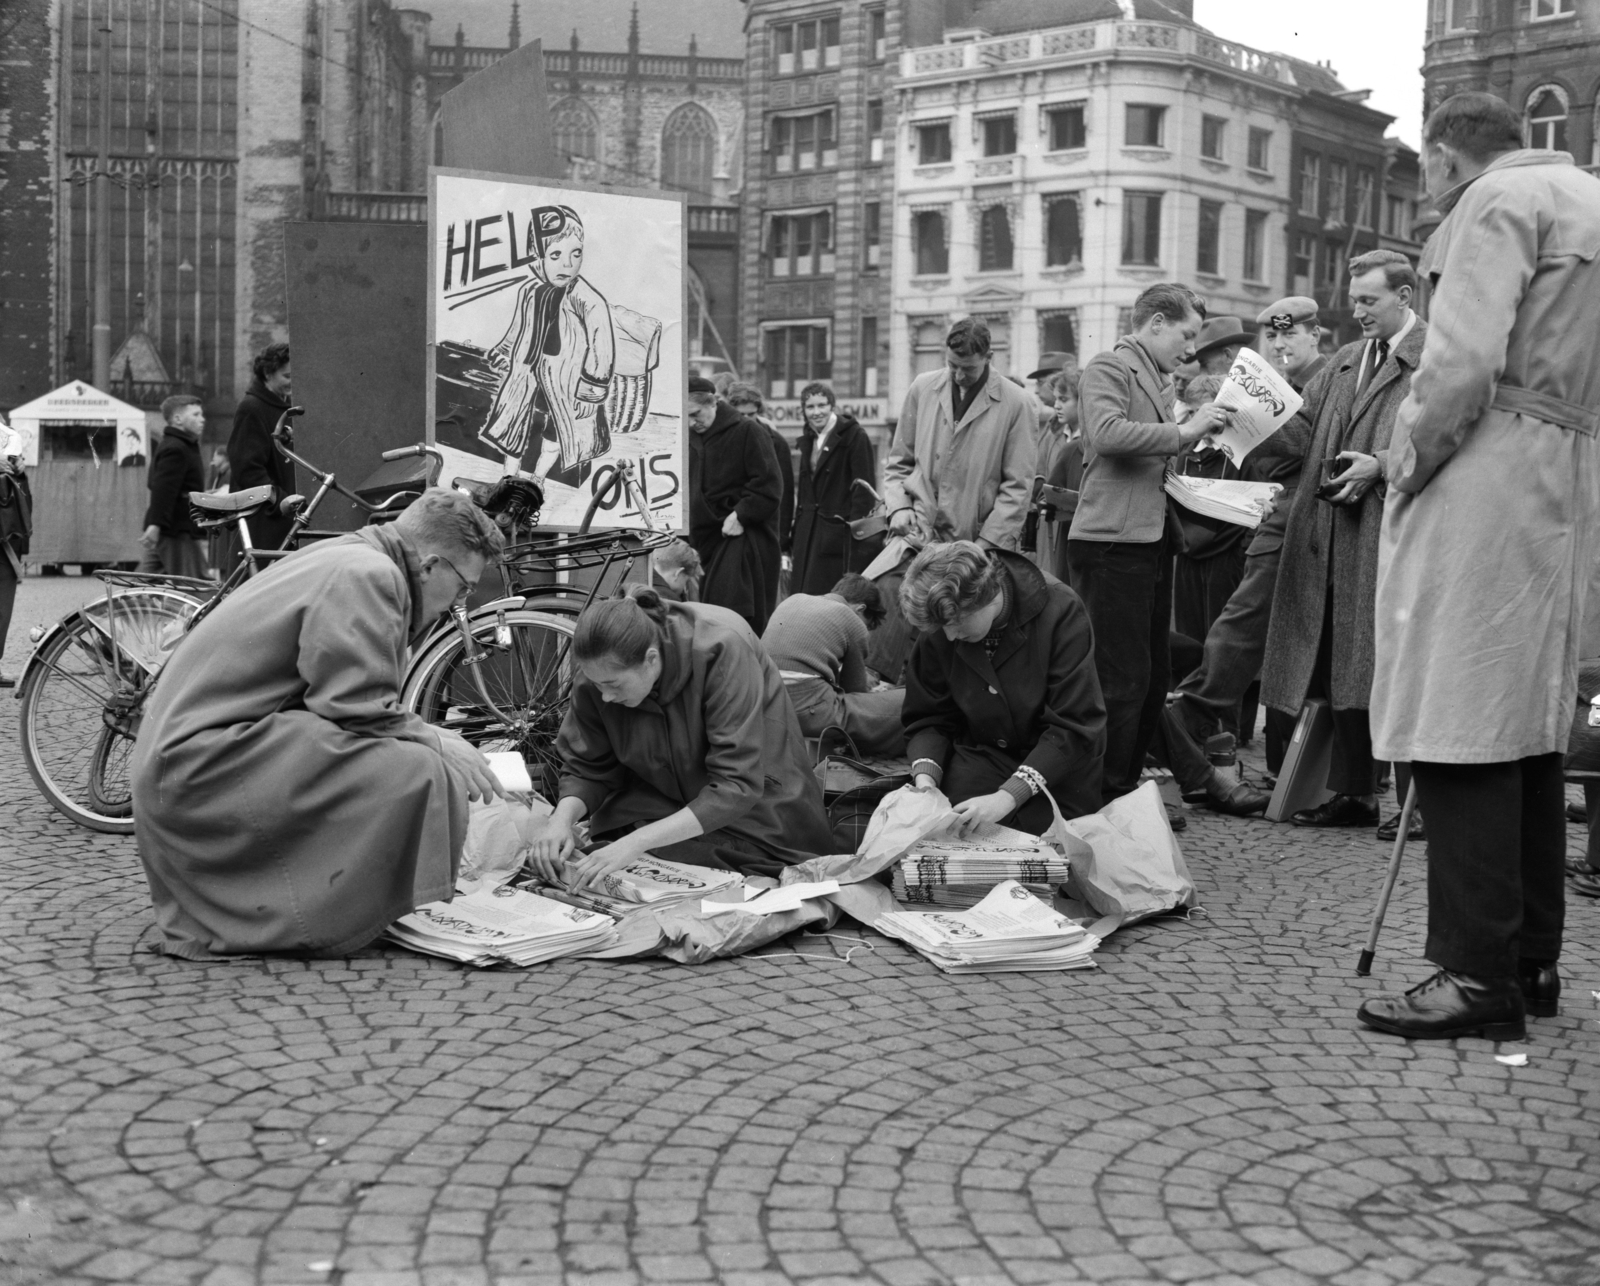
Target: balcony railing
558 62
1085 38
713 219
373 207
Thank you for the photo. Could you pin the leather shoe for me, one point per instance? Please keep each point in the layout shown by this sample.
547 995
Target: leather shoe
1585 885
1541 987
1237 798
1176 819
1448 1005
1577 814
1389 831
1341 810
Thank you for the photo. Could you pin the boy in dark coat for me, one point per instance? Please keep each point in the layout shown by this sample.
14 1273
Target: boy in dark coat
835 454
735 490
173 543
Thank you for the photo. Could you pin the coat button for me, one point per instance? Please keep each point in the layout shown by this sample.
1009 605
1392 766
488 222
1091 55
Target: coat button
1001 743
994 691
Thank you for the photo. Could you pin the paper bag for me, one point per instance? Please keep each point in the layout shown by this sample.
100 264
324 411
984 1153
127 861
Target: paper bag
1126 863
497 841
902 818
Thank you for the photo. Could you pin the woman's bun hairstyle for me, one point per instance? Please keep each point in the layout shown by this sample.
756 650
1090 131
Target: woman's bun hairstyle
623 629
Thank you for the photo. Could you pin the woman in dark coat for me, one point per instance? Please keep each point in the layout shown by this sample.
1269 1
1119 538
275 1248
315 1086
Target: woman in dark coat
734 493
834 453
680 742
1002 697
253 460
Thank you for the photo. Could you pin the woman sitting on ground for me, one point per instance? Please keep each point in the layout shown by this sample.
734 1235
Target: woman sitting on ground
1002 697
680 742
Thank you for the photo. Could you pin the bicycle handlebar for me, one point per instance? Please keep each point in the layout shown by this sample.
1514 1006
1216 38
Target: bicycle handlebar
400 453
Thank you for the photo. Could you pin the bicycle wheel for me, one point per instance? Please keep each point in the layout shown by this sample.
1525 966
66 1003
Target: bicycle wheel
526 676
81 698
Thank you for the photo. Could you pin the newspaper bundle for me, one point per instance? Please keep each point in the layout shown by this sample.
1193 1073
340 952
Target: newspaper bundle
1010 931
651 881
1226 499
503 926
961 873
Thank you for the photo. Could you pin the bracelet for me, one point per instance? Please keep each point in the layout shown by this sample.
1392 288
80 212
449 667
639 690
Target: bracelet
934 770
1032 778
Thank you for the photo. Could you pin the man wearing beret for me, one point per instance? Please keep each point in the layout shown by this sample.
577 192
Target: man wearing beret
1209 698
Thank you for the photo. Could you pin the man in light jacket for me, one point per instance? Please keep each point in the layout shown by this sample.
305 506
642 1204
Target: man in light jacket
1484 563
1117 548
960 467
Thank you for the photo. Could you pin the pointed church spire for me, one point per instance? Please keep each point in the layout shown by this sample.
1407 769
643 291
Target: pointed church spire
633 30
516 27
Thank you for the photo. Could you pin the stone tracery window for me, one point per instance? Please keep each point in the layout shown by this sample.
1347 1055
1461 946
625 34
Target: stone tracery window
689 149
1547 118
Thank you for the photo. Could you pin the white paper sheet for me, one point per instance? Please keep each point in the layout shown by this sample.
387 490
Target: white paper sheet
510 771
787 898
1261 401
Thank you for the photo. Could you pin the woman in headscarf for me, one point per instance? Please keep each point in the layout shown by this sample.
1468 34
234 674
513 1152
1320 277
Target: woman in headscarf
680 742
558 355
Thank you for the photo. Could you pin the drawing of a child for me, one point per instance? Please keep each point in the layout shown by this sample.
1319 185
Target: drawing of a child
558 355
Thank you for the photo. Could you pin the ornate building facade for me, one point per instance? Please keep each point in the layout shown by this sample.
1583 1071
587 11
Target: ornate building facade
1541 56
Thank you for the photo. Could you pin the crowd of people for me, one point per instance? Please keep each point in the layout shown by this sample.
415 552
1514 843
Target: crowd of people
1022 616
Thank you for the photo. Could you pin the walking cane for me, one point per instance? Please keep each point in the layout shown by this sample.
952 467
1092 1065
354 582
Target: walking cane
1364 964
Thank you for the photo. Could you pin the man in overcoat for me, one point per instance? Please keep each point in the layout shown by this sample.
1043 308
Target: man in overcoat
735 490
1117 548
835 454
1487 555
253 459
960 467
1319 640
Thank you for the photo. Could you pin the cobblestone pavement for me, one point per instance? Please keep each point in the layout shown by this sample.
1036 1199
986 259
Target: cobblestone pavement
1201 1109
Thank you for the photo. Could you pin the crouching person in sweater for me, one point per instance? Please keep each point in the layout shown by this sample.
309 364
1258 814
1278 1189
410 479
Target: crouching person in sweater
1002 697
819 644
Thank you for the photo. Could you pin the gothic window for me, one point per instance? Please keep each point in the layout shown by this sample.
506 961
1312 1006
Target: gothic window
689 149
575 130
1547 119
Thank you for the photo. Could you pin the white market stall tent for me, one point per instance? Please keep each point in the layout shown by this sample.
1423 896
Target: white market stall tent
86 454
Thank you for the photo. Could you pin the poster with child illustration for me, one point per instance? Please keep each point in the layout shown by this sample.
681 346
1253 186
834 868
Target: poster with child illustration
556 325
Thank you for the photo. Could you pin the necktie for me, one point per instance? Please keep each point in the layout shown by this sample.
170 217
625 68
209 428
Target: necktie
1380 355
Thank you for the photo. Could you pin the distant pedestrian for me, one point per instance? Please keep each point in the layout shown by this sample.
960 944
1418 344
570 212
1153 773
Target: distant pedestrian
746 399
16 526
1487 553
173 543
835 455
253 459
735 490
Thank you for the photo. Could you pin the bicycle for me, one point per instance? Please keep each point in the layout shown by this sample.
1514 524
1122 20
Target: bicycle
84 686
503 678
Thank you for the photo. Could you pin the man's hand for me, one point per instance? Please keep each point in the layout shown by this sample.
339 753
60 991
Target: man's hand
731 526
591 868
9 465
151 536
1207 419
550 843
980 809
903 522
469 761
1361 474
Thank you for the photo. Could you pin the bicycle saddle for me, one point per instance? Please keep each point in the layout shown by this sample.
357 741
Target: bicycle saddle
230 502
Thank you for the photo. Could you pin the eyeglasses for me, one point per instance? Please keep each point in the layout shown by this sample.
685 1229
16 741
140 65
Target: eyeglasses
467 586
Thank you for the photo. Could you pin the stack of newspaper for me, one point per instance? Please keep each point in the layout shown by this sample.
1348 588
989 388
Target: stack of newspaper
962 873
1226 499
503 926
1010 931
651 881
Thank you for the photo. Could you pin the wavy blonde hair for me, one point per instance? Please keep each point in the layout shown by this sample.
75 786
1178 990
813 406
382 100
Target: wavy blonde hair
948 582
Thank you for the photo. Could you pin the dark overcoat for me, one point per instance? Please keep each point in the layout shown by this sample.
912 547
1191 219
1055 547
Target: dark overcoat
1332 420
718 736
1037 701
733 469
253 461
175 471
827 500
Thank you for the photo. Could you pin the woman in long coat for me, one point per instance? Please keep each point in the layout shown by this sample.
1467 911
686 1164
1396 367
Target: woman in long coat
253 460
558 354
1002 695
835 453
680 742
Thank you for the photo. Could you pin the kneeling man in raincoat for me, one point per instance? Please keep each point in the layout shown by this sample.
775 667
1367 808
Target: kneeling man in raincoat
283 800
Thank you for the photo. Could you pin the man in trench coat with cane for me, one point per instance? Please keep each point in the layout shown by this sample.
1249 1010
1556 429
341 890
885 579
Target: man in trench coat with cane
1485 559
